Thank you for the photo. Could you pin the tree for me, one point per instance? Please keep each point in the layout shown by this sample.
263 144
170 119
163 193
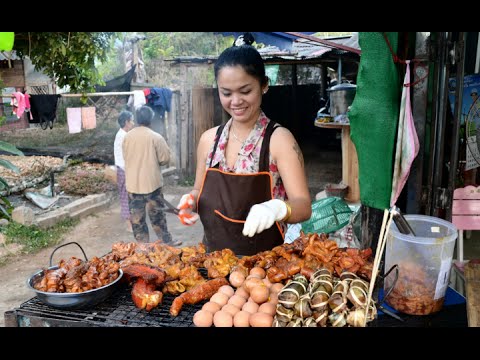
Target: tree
67 57
171 44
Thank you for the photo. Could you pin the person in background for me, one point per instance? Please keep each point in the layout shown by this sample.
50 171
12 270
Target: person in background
125 120
144 152
250 176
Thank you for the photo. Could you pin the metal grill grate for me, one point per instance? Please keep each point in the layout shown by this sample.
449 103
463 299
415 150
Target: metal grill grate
118 310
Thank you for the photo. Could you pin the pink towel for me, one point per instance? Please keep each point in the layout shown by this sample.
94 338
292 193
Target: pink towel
89 120
27 105
18 103
74 120
407 141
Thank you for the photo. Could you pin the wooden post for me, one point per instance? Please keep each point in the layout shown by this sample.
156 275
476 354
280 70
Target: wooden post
350 166
349 161
472 286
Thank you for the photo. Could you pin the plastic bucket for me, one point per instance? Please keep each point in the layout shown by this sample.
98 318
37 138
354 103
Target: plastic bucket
424 263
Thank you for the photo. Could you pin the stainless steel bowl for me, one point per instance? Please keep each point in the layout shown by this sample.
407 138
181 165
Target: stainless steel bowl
73 300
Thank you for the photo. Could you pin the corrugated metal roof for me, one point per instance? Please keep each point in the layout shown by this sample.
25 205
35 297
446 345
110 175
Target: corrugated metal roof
281 40
300 49
12 55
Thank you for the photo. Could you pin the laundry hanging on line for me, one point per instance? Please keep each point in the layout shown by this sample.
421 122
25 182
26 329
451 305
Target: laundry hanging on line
43 108
81 118
74 120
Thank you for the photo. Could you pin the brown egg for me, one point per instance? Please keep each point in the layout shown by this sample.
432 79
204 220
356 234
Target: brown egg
242 292
231 309
268 308
273 298
227 290
236 278
260 319
222 319
258 271
276 287
241 319
250 283
250 307
260 294
219 298
203 318
237 300
267 282
211 306
253 276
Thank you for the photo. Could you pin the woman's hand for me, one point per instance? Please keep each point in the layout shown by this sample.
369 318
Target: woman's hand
186 215
187 201
263 215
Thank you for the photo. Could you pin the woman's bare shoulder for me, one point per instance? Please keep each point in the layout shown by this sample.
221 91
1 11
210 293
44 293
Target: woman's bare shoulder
282 135
208 136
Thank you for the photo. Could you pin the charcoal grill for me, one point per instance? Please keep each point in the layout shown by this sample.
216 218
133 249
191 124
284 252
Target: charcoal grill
117 311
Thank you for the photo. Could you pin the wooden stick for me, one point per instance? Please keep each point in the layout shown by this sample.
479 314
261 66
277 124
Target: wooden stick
378 256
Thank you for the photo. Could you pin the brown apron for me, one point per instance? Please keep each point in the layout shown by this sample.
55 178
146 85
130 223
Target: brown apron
225 200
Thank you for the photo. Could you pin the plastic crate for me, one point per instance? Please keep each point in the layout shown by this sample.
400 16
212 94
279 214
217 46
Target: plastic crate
328 215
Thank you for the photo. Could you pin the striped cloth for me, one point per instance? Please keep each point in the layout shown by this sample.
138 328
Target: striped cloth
122 191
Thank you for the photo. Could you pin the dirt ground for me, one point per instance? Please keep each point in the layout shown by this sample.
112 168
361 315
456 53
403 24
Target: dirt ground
96 234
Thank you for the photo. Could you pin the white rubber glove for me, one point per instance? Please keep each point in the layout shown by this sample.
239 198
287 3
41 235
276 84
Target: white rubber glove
263 215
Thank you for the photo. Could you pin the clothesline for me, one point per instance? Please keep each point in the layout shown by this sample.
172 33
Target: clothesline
118 93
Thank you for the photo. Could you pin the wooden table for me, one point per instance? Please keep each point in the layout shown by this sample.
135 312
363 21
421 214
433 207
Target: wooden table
349 160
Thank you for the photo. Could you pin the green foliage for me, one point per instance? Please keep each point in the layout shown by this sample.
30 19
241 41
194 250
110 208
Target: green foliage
159 46
170 44
81 182
3 117
67 57
34 238
73 162
187 181
5 206
115 64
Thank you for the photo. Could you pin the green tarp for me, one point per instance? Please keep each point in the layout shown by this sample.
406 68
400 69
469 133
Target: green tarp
374 117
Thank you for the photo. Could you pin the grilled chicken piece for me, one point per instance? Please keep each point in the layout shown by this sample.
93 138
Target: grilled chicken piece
198 293
150 274
145 296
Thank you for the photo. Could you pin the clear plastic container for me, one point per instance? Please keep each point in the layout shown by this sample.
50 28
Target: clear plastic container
424 263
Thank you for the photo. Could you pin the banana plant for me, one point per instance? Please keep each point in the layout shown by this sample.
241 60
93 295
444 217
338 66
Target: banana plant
5 206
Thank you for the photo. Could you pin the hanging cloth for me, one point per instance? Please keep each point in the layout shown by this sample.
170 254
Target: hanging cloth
407 141
18 104
74 120
89 120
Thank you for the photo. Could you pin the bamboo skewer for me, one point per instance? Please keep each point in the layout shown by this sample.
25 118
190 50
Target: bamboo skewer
378 255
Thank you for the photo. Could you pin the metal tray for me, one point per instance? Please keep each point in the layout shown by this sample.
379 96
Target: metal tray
80 300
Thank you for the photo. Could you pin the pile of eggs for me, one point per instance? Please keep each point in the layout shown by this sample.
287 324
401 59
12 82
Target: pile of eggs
253 303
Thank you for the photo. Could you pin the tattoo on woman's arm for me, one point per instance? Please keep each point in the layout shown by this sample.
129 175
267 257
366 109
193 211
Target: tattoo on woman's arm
299 153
